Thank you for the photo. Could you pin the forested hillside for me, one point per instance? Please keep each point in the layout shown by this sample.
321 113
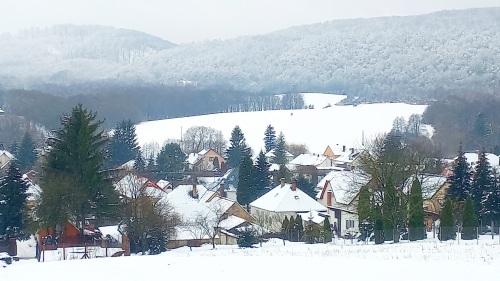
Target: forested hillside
410 58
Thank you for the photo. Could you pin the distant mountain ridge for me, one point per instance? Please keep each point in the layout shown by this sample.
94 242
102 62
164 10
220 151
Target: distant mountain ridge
388 58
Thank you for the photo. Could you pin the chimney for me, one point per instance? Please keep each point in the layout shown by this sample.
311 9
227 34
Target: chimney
343 148
294 186
282 182
195 192
352 150
221 190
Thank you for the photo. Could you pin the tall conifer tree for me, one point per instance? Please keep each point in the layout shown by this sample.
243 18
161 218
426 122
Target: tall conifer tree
12 203
280 150
483 181
416 212
447 222
26 156
123 144
460 181
469 224
238 148
246 181
76 159
269 138
262 175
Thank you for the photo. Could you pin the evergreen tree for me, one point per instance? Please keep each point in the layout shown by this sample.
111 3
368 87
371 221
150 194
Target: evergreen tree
300 228
292 229
393 211
246 182
262 175
327 231
26 156
365 213
306 186
416 212
312 232
123 145
282 173
378 225
238 148
12 203
285 228
76 159
469 224
270 138
460 181
280 150
14 147
447 222
490 203
483 181
247 238
139 164
170 161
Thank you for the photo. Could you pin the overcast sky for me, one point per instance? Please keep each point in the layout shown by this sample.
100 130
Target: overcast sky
183 21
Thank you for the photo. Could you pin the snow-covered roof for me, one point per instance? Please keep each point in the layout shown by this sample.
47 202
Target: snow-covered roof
345 185
308 160
131 184
284 199
8 154
231 222
430 184
276 167
313 216
112 231
129 165
472 158
189 208
193 158
163 184
213 183
270 154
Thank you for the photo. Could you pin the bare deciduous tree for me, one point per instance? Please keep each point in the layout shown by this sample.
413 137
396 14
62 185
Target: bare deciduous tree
146 217
197 138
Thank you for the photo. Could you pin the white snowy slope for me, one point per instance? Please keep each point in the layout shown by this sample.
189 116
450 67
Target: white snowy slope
294 261
317 128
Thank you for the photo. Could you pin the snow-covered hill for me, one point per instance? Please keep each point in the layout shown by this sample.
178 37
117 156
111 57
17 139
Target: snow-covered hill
317 128
391 57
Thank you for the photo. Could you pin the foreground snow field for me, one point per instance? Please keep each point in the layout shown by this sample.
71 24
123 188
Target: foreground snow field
317 128
296 261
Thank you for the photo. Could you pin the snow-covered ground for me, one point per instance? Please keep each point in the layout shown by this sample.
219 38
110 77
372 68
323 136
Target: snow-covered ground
317 128
340 260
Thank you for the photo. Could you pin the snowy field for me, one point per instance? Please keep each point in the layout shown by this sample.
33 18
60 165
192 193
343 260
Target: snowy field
317 128
339 260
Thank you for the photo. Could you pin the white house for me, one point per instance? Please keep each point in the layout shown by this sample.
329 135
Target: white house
195 201
338 192
286 199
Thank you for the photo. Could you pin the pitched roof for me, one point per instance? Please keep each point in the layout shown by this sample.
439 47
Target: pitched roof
430 184
345 185
131 184
309 159
284 199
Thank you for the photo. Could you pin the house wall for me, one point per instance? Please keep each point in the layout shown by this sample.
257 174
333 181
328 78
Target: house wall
3 160
205 164
340 213
237 211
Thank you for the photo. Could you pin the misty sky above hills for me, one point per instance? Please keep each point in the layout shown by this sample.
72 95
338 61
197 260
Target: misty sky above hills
197 20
